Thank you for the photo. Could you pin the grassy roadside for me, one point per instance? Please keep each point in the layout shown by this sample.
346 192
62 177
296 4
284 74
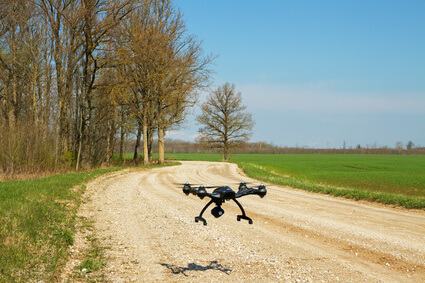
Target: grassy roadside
37 224
257 172
37 220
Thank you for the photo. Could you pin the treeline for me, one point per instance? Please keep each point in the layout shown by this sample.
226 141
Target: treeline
178 146
77 76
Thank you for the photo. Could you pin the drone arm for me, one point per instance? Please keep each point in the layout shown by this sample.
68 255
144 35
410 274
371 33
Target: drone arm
249 191
261 191
245 192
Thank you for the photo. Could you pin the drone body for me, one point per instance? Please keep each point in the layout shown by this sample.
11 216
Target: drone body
220 195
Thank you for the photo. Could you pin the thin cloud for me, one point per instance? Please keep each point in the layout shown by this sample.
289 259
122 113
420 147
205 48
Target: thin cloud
320 99
175 134
182 135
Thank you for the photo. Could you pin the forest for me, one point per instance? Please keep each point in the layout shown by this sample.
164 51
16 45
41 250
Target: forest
77 77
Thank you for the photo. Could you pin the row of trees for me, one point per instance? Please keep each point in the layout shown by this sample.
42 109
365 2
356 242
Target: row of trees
77 74
179 146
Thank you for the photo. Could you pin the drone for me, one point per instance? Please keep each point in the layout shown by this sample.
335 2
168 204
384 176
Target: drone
220 195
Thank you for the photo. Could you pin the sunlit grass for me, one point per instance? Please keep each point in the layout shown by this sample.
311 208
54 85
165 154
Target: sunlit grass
376 195
37 224
387 173
390 179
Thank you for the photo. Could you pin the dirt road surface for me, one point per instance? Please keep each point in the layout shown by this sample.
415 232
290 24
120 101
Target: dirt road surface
297 236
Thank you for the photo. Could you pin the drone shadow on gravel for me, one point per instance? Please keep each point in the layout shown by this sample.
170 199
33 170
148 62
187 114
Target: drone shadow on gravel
214 265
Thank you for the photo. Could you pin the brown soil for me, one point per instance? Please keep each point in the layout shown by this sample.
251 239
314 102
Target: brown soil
297 236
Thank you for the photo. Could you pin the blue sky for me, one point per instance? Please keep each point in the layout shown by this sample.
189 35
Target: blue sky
320 72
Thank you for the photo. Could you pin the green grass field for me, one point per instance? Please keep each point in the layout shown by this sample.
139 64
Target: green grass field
392 179
37 224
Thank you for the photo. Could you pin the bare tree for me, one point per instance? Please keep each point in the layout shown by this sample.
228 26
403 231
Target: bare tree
61 19
24 89
182 70
136 47
225 123
399 145
165 67
69 70
99 18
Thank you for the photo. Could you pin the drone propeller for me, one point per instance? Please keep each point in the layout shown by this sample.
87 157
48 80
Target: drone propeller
262 190
257 190
244 184
211 187
201 191
187 189
197 185
182 184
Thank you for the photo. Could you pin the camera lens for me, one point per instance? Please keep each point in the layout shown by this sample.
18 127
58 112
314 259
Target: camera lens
217 211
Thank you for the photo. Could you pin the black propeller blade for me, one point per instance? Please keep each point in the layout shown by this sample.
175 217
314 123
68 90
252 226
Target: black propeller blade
197 185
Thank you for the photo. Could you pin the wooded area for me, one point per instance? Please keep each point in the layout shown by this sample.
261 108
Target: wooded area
77 77
179 146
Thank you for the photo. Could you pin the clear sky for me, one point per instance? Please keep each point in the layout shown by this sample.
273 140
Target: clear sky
317 73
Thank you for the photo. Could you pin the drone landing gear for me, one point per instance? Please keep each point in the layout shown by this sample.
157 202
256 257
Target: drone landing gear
220 212
243 216
200 218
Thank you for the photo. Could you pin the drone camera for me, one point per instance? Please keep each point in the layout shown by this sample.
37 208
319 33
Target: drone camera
217 211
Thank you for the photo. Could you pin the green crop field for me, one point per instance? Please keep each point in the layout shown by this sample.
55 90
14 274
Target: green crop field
372 177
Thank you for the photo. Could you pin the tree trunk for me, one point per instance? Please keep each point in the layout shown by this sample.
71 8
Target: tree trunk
150 142
122 143
108 143
14 105
145 140
80 142
139 135
225 147
161 156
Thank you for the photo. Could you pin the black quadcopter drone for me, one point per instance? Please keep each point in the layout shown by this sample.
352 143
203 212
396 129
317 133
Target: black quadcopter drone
220 195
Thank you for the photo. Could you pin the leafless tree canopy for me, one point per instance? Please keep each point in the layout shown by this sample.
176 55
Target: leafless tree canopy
225 123
78 77
163 67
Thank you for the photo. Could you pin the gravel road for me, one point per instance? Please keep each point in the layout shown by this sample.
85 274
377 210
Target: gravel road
148 223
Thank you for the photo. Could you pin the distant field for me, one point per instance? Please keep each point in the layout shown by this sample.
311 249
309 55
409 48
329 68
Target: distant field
394 174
